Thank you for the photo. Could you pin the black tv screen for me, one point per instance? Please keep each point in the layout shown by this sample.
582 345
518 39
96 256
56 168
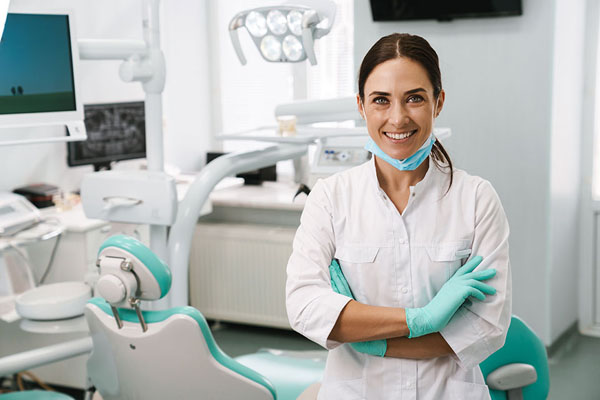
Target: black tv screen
115 132
36 74
442 10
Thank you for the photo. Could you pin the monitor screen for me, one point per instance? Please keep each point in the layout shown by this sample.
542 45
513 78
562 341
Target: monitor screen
115 132
397 10
36 64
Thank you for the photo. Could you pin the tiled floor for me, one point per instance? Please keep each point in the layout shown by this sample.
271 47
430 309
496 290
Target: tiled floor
574 369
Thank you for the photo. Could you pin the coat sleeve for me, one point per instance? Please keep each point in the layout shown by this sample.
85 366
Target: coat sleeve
479 329
312 306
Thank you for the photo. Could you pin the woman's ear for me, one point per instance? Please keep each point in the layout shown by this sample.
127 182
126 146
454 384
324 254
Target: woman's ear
359 104
440 103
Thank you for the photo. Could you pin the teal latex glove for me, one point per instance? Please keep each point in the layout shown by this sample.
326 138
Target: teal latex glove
340 285
463 284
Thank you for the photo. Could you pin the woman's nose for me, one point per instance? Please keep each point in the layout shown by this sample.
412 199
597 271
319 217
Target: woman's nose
398 115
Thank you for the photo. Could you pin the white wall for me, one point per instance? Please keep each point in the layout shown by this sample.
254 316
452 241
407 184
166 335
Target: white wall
185 102
499 82
187 97
565 164
589 276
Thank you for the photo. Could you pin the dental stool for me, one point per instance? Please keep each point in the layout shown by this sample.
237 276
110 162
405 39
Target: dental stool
172 354
518 370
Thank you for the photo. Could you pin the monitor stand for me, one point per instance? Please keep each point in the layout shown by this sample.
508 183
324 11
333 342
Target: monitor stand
105 166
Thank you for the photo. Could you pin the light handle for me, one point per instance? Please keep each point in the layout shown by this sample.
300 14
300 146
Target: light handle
309 20
236 23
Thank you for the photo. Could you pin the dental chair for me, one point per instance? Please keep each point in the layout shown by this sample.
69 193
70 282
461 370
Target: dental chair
172 354
519 370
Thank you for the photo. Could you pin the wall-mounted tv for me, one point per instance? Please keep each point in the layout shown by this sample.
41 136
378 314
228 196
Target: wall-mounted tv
442 10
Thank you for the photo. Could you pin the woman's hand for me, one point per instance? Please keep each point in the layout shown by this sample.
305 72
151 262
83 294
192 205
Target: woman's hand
463 284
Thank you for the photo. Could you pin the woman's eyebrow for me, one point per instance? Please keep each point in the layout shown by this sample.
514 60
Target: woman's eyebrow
376 93
415 91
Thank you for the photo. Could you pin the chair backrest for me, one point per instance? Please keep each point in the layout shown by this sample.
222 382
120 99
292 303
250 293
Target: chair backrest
522 346
171 355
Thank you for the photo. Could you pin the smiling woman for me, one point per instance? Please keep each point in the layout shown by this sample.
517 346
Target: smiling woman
402 81
400 266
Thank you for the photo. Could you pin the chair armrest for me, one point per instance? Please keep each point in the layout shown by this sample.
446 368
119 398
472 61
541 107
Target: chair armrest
511 376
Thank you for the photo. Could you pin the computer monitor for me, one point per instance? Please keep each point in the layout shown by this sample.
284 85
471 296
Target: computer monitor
116 132
39 61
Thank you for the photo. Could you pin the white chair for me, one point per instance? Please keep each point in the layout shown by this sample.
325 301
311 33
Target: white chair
171 354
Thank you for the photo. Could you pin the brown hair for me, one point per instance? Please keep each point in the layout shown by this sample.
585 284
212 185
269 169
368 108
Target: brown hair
417 49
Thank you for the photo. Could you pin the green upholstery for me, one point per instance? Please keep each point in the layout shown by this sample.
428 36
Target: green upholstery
290 375
521 346
159 316
35 395
155 265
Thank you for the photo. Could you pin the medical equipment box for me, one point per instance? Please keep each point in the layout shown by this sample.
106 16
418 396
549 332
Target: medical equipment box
40 194
138 197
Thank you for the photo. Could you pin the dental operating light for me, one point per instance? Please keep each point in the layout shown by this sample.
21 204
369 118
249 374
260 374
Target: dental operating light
284 33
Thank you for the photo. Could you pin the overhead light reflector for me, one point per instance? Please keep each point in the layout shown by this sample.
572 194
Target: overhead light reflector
291 28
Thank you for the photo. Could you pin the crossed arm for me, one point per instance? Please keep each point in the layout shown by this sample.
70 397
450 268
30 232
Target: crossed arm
360 322
380 330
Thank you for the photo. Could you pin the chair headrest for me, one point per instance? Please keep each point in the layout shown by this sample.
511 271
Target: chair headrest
129 269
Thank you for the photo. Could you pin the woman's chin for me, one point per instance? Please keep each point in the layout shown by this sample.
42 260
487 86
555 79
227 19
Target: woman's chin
397 155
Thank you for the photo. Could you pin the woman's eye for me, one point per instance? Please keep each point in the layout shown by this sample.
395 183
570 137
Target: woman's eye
415 99
380 100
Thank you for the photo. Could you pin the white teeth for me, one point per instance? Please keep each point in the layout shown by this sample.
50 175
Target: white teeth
399 135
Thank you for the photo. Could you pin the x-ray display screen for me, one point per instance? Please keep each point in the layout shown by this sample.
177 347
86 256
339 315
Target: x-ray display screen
36 72
115 132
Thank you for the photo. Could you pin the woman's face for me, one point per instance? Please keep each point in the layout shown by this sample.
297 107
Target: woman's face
399 106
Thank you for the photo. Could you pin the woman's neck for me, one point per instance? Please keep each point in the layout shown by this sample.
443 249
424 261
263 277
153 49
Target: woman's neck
392 179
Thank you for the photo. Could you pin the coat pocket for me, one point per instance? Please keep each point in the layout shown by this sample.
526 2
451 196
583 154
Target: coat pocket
356 254
460 390
445 258
361 270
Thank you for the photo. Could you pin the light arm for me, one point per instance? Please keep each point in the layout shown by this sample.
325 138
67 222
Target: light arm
180 236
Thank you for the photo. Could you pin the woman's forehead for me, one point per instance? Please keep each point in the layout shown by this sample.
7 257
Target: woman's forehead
397 75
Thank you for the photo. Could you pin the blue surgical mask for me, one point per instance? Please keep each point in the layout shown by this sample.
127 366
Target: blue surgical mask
408 164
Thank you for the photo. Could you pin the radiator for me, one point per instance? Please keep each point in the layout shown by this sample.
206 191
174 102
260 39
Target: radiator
237 272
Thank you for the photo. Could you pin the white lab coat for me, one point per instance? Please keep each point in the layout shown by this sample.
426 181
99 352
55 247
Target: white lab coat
400 260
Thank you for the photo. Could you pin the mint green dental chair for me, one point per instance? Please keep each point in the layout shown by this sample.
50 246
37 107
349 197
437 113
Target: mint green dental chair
172 354
519 370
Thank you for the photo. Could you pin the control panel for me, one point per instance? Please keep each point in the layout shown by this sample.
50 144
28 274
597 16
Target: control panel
337 154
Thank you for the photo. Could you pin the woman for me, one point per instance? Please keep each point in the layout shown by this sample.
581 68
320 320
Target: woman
399 228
